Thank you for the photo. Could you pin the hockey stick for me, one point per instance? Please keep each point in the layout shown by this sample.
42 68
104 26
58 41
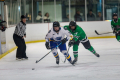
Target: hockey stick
102 33
66 54
48 53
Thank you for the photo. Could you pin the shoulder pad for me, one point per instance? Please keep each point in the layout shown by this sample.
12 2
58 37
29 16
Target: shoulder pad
65 28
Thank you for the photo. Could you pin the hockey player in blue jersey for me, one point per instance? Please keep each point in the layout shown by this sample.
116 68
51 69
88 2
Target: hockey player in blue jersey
54 37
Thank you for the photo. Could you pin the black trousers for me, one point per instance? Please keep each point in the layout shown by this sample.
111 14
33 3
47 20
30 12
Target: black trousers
20 43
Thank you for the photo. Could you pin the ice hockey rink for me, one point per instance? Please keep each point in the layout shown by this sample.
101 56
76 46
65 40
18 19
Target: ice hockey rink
88 67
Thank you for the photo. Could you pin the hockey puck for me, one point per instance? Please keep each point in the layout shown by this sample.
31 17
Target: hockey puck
33 68
36 61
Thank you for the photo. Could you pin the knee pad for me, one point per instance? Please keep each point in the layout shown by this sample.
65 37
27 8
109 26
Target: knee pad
54 51
87 45
64 52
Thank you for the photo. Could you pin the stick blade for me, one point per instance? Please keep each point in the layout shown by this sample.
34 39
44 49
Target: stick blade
97 32
36 61
65 61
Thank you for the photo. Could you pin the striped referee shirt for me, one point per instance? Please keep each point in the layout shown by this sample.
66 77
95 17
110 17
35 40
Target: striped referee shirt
20 29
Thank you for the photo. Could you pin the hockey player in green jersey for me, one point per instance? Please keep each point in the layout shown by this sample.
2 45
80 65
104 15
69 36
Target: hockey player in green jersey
78 36
115 24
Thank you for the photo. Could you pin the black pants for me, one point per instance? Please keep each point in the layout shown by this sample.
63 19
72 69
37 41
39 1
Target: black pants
20 43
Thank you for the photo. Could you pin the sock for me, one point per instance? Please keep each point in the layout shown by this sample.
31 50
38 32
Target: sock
68 56
75 50
56 55
91 49
75 53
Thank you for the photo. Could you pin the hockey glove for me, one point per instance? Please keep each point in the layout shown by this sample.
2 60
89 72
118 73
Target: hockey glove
47 45
3 28
71 42
118 33
64 40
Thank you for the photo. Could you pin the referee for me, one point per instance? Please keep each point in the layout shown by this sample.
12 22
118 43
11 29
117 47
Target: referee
18 37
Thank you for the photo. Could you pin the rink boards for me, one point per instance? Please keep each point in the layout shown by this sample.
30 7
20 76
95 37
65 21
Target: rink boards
37 32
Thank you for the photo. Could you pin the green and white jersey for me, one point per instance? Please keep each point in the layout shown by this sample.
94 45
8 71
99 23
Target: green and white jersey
116 25
78 33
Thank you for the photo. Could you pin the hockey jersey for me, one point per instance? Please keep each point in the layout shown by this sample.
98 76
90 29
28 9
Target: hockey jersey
53 36
116 25
78 34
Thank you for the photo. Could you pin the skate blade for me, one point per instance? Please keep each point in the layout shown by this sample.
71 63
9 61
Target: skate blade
18 59
73 64
24 59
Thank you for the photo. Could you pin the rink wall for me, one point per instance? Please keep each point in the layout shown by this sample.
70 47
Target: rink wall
37 32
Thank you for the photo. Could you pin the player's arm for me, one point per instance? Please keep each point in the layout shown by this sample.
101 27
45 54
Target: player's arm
113 28
67 33
112 25
76 36
3 26
47 38
24 34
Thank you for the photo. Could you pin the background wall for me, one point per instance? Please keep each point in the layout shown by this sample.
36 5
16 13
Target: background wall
39 31
9 38
49 7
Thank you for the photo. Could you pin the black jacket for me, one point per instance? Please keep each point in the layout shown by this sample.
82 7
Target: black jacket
90 17
78 17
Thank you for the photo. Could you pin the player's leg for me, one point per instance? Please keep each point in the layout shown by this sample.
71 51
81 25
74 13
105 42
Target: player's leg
18 43
118 37
75 51
88 46
24 50
63 50
55 53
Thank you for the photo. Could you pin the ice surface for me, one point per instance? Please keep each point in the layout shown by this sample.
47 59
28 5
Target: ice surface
88 67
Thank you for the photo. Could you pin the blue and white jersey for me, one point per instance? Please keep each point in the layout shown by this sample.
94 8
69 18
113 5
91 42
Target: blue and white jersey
52 35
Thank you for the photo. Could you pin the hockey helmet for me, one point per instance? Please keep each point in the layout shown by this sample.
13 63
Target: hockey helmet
56 24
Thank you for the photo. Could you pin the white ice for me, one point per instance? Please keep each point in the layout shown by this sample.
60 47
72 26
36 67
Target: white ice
88 67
